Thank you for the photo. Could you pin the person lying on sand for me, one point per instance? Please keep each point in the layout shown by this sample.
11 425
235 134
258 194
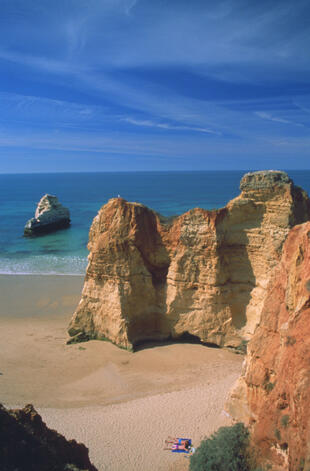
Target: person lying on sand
177 444
176 441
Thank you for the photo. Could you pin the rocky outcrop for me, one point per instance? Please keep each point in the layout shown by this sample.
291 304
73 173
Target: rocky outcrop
203 273
50 216
273 394
26 444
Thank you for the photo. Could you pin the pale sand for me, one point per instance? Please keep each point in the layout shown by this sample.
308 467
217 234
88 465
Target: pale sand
121 405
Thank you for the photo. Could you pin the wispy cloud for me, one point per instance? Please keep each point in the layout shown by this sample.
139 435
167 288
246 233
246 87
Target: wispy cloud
130 6
106 75
303 107
168 126
268 116
127 33
35 111
38 62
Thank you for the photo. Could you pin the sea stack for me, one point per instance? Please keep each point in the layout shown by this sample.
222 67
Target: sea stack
202 275
50 216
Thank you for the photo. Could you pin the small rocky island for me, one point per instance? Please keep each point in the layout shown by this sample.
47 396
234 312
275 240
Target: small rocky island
50 216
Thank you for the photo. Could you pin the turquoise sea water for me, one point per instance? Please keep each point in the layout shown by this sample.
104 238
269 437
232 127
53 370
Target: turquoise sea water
65 252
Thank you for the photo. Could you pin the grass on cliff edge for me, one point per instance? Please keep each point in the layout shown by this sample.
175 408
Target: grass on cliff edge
226 450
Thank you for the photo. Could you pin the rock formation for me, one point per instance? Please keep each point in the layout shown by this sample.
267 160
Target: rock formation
26 444
203 273
273 394
50 216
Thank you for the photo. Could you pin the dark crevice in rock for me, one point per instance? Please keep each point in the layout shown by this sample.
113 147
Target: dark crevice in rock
186 337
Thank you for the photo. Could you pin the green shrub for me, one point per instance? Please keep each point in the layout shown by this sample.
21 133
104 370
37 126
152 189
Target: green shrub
285 420
269 386
301 464
290 341
226 450
243 346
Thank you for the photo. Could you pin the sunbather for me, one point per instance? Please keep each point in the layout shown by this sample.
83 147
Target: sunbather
177 441
178 444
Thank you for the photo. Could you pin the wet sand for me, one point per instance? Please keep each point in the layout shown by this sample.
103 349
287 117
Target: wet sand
122 405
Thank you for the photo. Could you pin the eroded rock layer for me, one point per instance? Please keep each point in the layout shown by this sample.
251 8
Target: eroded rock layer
26 444
203 273
273 394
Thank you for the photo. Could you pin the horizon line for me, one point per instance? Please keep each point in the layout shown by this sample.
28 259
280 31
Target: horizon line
153 171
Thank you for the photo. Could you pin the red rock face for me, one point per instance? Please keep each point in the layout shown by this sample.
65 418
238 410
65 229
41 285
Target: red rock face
277 375
203 273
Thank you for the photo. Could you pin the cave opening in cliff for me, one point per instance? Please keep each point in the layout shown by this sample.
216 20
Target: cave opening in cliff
186 337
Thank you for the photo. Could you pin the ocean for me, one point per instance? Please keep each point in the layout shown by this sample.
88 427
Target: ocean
65 252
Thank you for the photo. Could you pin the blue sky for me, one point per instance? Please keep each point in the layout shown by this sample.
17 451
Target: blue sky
89 85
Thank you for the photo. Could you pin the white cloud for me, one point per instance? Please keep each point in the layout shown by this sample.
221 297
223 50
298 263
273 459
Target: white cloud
268 116
39 62
32 109
128 33
168 126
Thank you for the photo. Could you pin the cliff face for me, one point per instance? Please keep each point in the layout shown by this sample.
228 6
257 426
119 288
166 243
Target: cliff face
50 216
273 394
204 273
26 444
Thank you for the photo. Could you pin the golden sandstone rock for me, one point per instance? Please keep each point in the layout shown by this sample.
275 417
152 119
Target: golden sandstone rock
273 394
203 273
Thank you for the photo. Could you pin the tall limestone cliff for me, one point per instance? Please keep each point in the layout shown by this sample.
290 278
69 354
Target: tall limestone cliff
203 273
273 394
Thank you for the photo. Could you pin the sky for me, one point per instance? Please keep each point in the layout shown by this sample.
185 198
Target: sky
130 85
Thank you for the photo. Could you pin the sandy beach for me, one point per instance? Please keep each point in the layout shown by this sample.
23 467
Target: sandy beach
122 405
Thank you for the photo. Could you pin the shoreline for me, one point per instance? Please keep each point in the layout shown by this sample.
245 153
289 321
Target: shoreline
122 405
41 274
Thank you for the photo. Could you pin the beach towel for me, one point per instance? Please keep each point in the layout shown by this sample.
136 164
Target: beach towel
175 448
